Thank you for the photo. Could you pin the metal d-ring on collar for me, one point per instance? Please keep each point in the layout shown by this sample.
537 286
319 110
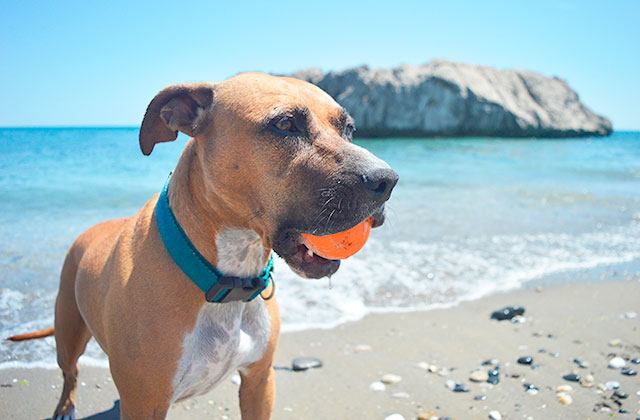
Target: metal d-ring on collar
216 286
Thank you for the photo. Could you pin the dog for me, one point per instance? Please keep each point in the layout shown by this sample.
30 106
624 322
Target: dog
269 158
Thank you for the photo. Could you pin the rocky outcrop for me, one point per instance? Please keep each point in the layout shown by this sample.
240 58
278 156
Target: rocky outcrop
444 98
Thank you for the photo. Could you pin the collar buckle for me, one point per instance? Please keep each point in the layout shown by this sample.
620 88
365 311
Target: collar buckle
230 288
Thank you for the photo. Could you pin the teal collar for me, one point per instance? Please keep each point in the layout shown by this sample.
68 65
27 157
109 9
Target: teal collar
216 286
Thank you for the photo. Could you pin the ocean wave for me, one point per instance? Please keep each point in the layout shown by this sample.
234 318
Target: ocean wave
391 276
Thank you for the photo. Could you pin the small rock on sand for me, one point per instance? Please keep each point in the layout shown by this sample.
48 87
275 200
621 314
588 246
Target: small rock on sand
304 363
400 395
564 388
564 398
617 363
587 381
479 375
456 386
581 363
531 389
525 360
377 386
571 377
390 379
628 372
621 394
428 415
612 385
494 376
495 415
360 348
423 365
395 416
615 342
507 313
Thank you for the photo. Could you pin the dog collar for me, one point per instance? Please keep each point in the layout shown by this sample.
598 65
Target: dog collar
216 286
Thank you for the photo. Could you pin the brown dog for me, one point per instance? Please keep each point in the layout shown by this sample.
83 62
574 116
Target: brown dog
270 157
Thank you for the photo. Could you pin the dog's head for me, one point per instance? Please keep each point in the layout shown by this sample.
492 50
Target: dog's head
277 150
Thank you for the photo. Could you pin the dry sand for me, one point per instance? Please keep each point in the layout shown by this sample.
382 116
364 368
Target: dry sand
575 320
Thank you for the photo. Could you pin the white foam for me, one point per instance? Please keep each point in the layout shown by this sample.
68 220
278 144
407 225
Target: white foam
388 277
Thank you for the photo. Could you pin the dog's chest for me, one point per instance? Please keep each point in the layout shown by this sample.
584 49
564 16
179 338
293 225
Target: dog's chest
226 336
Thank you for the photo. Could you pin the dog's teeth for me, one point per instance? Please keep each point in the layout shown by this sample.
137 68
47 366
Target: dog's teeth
309 252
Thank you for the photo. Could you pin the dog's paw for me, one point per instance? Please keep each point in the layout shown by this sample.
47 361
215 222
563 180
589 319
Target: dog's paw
66 412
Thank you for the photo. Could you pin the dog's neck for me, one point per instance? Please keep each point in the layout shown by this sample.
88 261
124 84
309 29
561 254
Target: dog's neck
224 235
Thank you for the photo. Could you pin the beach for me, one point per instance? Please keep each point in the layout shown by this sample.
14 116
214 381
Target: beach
475 224
592 322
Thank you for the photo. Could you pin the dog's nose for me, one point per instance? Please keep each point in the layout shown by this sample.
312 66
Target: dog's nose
380 182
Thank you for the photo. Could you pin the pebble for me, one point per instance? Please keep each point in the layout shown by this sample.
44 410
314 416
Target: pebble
571 377
554 354
615 342
495 415
304 363
611 385
400 395
481 397
631 315
617 363
518 319
564 388
377 386
635 361
587 381
362 348
507 313
531 389
444 371
494 376
390 379
395 416
456 386
479 375
621 394
581 363
428 415
460 388
628 372
525 360
564 398
423 365
490 362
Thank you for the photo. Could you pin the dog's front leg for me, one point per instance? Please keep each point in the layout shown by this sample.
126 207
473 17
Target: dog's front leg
258 386
257 393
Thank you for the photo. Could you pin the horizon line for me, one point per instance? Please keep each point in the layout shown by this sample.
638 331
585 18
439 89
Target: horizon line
123 126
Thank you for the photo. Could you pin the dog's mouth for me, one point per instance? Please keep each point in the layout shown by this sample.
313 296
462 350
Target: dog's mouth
304 262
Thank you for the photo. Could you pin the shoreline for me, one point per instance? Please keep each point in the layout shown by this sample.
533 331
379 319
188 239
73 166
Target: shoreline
576 320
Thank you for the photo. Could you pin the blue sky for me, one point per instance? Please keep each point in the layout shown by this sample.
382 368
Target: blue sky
99 63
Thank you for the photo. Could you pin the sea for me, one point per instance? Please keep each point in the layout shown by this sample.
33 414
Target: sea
470 217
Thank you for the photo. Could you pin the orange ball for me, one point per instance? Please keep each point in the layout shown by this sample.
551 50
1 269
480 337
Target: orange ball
341 245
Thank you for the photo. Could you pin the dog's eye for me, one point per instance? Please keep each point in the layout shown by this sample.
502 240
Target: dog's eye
286 125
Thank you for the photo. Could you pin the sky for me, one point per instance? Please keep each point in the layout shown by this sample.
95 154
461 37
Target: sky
84 63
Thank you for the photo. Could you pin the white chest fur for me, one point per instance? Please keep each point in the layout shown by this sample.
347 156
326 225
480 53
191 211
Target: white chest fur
227 336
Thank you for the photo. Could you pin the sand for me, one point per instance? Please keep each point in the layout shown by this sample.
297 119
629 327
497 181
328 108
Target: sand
574 320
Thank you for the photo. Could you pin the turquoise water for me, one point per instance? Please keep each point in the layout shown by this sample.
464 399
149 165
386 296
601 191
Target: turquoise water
469 217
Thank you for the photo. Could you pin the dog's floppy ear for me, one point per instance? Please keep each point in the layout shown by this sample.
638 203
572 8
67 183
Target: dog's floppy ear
184 107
